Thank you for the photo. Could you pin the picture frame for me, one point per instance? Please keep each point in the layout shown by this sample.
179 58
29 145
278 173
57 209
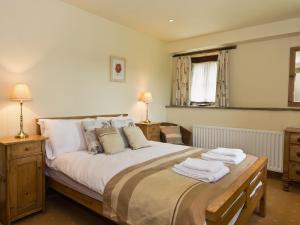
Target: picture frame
117 69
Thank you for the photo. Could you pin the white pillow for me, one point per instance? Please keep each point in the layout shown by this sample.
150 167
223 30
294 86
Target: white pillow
65 136
48 146
121 122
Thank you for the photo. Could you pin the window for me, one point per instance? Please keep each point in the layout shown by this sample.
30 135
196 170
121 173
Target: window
204 79
294 77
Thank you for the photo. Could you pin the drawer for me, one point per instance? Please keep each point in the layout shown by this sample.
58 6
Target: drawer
295 153
26 149
294 171
295 138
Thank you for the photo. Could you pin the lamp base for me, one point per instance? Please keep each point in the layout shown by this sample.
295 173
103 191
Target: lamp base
147 121
21 135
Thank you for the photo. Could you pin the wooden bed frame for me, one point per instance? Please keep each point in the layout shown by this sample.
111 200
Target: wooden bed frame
219 212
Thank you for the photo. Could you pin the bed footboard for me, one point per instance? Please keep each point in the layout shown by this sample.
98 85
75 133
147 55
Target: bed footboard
243 197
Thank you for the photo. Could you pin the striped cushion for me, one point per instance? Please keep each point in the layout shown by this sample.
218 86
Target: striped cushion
172 134
110 140
120 122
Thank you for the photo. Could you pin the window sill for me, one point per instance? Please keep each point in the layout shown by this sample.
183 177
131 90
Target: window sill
235 108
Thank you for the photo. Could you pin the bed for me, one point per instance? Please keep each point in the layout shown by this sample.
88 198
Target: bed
236 198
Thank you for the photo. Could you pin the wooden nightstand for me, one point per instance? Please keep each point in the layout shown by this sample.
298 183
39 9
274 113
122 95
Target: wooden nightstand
291 163
22 180
150 130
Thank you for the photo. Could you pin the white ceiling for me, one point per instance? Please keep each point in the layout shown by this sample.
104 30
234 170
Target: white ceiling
192 17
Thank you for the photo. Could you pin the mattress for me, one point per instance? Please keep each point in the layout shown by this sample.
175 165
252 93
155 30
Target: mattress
69 182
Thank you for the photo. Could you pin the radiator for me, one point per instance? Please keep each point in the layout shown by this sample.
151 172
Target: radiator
254 142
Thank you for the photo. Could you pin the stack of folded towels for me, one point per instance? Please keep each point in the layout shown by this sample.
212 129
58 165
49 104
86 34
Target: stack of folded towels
226 155
207 171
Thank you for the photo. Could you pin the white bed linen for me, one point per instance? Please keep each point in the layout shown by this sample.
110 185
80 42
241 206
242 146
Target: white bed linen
94 171
69 182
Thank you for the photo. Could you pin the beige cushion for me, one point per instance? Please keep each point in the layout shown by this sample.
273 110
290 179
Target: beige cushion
92 141
120 122
172 134
136 138
110 140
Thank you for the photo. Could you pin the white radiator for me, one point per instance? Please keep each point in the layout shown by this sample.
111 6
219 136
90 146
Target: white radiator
255 142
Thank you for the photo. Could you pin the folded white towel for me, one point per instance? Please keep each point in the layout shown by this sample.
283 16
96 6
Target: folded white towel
203 165
228 151
202 176
226 159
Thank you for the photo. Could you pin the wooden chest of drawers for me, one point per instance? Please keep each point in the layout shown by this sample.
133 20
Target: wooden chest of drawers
22 182
150 130
291 163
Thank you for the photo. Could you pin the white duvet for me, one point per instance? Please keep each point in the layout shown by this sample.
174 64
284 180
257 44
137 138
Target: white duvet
94 171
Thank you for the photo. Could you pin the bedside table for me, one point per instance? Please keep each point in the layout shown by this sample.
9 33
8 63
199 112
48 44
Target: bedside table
150 130
22 180
291 163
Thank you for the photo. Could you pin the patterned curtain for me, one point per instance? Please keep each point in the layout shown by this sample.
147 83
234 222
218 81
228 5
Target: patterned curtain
182 67
222 93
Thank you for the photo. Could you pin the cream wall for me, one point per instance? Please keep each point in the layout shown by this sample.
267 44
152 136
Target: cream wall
62 53
262 120
268 30
259 72
258 78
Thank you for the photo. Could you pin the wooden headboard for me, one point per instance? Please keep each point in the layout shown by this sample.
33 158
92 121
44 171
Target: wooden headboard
38 131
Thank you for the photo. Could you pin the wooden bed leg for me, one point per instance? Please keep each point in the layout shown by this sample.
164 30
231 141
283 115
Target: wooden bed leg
262 207
262 202
286 186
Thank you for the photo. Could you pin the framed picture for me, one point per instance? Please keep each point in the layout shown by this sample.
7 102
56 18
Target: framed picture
117 69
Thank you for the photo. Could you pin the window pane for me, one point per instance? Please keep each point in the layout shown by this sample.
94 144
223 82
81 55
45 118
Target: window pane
297 88
204 82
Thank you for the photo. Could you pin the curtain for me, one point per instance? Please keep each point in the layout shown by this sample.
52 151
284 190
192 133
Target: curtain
204 79
181 80
222 92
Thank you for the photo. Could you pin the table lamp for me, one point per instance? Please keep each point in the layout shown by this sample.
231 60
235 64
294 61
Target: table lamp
21 93
147 98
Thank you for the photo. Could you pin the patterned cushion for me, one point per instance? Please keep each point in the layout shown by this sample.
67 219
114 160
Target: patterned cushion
172 134
120 122
92 141
136 137
110 140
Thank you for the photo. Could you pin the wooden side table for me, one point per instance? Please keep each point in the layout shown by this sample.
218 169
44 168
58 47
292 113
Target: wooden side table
150 130
22 179
291 163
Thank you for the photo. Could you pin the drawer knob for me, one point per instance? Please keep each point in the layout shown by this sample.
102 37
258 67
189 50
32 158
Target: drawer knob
298 172
298 139
26 149
298 154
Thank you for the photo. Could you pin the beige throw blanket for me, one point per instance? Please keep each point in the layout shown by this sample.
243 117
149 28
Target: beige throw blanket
151 193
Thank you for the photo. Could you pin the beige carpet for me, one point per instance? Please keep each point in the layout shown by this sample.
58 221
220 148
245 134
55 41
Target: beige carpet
283 208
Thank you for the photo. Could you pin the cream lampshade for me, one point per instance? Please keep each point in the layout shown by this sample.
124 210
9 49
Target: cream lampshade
147 98
21 93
